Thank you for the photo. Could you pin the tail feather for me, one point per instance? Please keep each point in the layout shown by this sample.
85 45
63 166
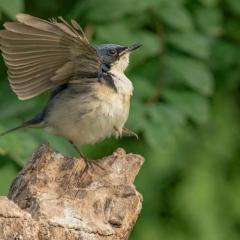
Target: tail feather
36 122
24 125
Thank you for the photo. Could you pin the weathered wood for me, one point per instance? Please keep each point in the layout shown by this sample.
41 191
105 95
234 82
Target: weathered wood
52 199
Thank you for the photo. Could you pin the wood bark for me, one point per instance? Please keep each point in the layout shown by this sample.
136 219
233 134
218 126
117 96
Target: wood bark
53 198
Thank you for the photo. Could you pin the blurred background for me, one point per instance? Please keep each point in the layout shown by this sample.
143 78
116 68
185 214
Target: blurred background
185 109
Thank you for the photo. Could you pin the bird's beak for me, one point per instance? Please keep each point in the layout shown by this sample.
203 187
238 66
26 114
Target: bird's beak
134 46
130 48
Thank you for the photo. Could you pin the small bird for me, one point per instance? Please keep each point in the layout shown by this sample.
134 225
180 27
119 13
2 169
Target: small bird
90 94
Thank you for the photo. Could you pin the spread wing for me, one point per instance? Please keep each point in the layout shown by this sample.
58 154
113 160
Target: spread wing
41 55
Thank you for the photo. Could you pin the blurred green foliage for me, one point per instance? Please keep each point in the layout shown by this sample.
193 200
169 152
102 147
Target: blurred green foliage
185 109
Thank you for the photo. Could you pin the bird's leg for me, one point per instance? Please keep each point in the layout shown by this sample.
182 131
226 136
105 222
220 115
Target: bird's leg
118 132
86 160
129 133
88 163
79 152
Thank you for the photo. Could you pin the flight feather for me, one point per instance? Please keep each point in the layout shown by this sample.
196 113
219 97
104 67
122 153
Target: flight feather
41 55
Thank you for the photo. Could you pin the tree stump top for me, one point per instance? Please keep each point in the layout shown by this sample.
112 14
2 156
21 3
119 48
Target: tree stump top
55 199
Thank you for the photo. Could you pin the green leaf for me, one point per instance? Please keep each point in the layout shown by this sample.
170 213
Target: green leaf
192 104
122 34
193 73
176 3
7 174
12 7
18 146
176 17
136 120
209 20
160 113
234 6
162 125
224 55
107 10
209 2
193 43
233 29
143 89
160 135
149 70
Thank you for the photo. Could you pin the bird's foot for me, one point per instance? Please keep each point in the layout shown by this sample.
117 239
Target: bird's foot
90 164
129 133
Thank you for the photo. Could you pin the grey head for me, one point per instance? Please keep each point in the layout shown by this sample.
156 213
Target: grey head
111 53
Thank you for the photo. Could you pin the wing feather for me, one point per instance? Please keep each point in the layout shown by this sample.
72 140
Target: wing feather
33 68
40 54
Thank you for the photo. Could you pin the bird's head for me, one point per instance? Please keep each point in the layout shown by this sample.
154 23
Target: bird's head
115 56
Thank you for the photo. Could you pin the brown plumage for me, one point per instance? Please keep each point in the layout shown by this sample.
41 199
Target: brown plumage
40 54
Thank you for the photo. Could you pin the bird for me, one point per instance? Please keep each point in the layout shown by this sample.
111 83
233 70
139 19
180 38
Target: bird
90 93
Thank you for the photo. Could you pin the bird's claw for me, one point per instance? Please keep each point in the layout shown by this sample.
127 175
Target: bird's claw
129 133
90 164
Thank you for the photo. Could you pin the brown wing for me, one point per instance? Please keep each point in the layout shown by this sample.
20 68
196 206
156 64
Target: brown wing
41 54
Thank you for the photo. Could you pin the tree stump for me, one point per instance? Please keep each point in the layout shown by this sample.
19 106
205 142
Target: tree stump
52 198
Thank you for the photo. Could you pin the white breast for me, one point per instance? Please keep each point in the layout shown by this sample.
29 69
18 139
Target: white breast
122 83
107 110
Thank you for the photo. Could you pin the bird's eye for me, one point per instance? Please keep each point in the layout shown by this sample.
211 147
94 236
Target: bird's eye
112 52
